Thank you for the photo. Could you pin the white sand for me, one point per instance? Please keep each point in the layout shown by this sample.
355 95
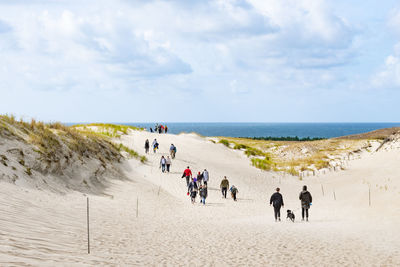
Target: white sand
41 228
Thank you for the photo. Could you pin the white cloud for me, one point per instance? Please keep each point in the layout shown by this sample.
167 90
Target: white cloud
176 50
389 74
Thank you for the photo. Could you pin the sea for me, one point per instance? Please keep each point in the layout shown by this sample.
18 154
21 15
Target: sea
301 130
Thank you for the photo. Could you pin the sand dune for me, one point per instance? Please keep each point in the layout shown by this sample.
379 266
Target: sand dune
41 228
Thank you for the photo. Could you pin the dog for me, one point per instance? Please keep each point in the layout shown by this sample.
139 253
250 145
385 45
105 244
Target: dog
290 215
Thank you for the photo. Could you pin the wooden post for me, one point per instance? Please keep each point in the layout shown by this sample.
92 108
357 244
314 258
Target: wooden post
369 196
137 207
334 195
87 218
322 188
159 188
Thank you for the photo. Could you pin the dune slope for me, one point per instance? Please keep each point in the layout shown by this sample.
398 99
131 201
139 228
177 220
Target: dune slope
39 227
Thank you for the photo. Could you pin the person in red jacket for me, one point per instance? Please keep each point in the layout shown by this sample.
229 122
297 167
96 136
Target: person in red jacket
187 174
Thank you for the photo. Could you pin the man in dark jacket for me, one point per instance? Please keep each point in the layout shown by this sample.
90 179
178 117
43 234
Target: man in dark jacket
203 192
306 200
277 201
224 186
192 190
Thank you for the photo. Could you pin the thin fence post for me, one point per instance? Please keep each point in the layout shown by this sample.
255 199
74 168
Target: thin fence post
87 219
334 195
369 196
322 188
137 207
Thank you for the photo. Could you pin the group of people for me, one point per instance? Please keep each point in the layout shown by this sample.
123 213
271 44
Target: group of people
165 162
196 184
276 201
224 185
159 129
155 145
199 184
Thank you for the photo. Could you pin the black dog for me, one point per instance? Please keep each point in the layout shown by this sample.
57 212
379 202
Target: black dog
290 215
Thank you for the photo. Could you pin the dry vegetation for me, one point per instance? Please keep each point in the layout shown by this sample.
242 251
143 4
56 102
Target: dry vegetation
56 154
295 157
106 129
55 141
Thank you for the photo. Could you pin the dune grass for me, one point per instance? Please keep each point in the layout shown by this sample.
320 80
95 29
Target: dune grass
109 130
224 142
293 157
120 147
55 141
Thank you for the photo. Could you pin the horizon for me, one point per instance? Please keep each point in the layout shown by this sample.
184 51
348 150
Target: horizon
232 122
201 61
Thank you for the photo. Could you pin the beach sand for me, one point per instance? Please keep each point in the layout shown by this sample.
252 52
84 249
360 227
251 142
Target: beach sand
42 228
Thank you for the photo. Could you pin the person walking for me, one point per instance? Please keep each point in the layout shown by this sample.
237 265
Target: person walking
306 201
163 162
199 178
192 190
277 202
224 186
168 163
147 146
203 192
166 129
234 191
172 151
205 176
155 145
187 173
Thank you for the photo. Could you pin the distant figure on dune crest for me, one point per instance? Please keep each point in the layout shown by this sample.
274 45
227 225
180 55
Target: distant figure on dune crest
203 192
277 201
206 176
151 129
168 162
306 201
187 174
224 186
163 162
234 191
192 190
147 146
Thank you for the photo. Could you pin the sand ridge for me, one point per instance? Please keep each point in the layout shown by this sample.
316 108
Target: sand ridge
41 228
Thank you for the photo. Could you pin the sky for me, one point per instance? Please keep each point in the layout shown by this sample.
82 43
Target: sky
200 60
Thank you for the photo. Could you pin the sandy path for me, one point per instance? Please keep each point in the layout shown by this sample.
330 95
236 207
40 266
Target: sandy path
42 228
